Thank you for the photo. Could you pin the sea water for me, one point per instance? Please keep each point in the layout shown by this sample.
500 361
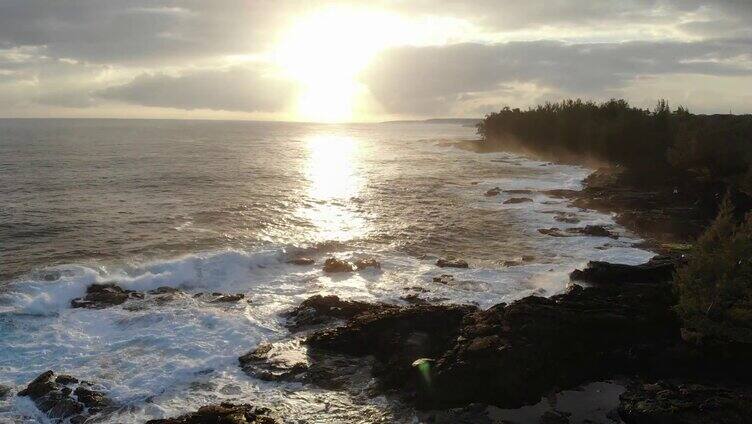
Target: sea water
210 206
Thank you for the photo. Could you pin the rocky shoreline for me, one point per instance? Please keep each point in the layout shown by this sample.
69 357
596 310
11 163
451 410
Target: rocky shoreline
454 362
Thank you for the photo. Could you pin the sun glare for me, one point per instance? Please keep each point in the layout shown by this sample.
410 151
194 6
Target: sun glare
325 51
334 182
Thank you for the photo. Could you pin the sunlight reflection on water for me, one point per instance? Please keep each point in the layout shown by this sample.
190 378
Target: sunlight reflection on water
332 169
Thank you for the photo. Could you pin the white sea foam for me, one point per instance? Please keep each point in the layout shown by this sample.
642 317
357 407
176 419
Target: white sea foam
165 359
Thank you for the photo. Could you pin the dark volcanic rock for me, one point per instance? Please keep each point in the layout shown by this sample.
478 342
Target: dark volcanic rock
4 391
553 232
332 265
289 361
317 310
301 261
561 193
515 200
566 218
589 230
65 398
670 209
414 299
396 337
493 192
659 269
224 413
99 296
227 298
518 191
444 279
164 290
265 363
361 264
511 355
554 417
664 403
594 231
451 263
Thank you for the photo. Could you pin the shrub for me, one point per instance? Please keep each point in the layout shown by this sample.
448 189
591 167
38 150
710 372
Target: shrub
715 287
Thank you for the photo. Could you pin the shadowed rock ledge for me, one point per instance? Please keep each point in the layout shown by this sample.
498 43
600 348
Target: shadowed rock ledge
223 413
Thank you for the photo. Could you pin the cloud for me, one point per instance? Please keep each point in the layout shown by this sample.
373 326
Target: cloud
239 88
68 52
139 31
425 80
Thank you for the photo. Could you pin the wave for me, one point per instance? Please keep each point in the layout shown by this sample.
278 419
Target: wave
50 290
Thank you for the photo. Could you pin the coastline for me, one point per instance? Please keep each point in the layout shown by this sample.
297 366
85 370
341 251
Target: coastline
613 330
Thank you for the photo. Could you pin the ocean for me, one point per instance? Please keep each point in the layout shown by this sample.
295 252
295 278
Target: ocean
221 206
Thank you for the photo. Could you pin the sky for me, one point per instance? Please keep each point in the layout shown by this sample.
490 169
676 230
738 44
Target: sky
338 61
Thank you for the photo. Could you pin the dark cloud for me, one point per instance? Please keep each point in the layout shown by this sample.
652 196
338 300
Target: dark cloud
241 88
430 79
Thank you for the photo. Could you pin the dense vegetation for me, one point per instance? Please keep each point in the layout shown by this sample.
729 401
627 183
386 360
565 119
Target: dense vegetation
704 152
715 288
659 141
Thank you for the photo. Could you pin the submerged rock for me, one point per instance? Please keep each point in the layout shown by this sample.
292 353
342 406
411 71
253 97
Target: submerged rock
65 398
164 290
493 192
515 200
451 263
302 261
553 232
665 403
567 218
227 298
518 191
223 413
99 296
444 279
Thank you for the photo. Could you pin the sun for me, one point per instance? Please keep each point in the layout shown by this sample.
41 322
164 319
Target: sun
325 51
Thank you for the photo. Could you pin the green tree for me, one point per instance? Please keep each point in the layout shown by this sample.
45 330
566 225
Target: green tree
715 287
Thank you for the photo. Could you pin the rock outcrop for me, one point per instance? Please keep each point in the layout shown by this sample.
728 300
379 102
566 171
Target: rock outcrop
318 310
492 192
223 413
657 270
451 263
302 261
666 403
100 296
396 337
511 355
66 399
334 265
516 200
508 355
